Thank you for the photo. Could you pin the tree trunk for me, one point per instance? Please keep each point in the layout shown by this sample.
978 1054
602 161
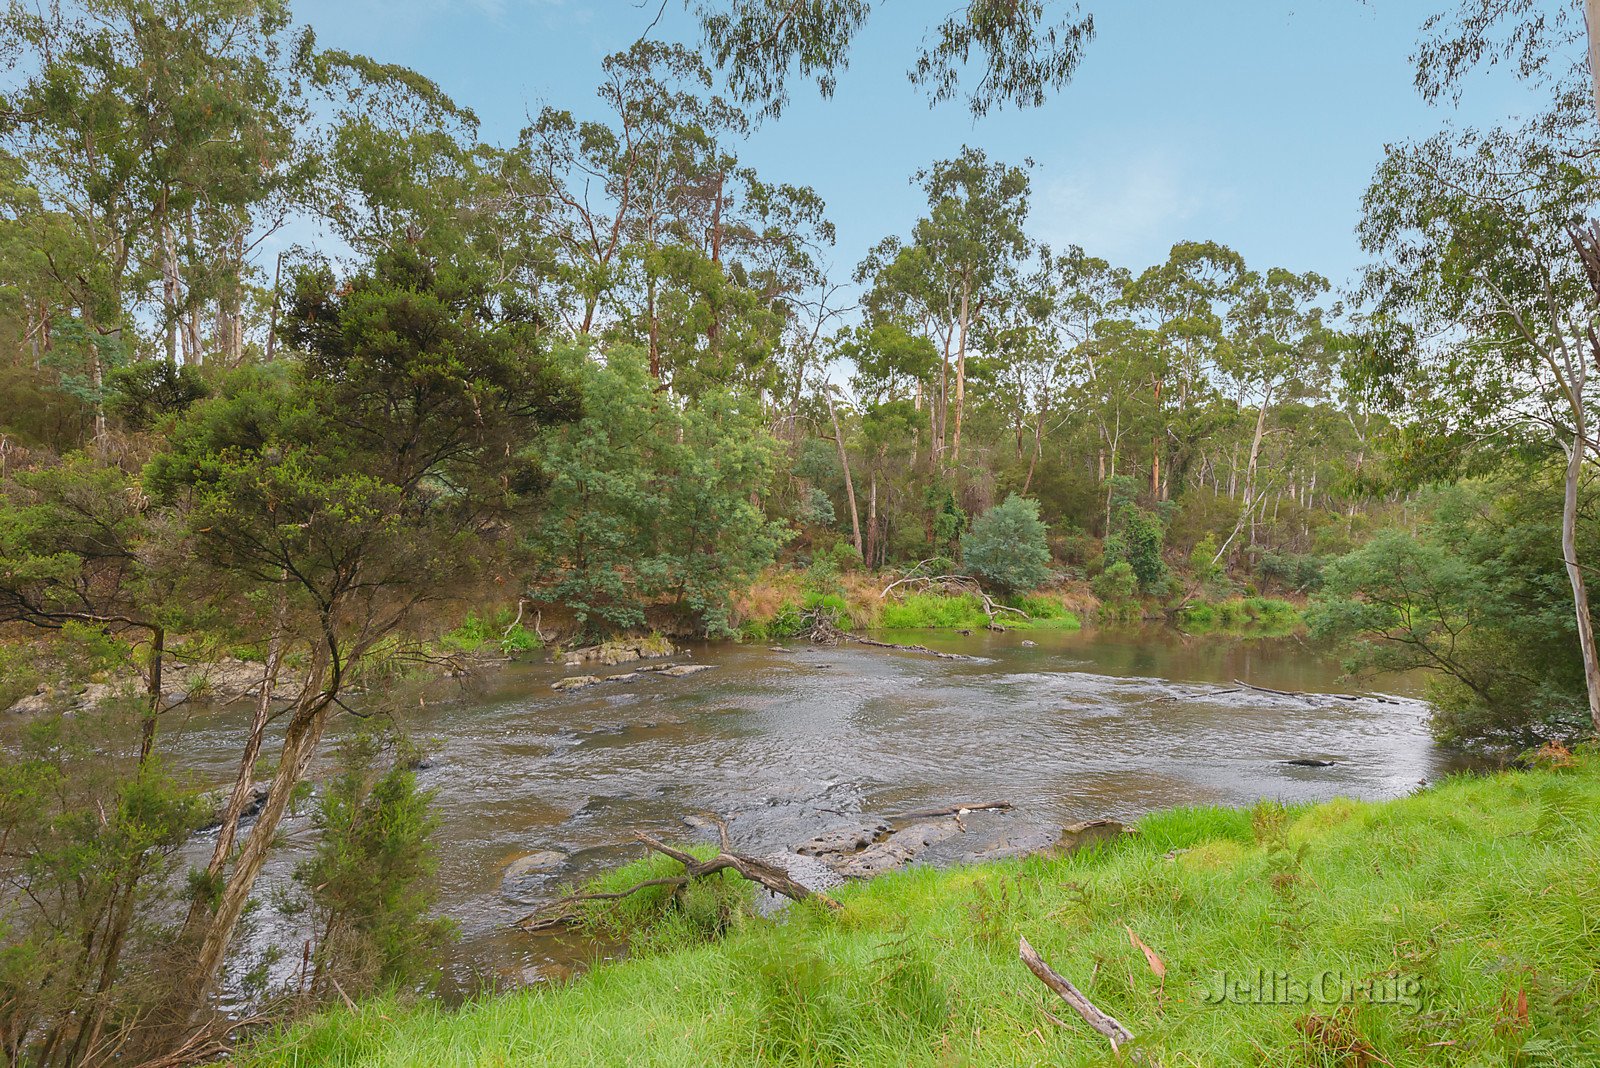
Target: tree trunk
231 814
299 746
844 463
1569 552
961 369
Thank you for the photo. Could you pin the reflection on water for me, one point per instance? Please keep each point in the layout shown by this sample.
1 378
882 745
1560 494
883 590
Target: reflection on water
789 743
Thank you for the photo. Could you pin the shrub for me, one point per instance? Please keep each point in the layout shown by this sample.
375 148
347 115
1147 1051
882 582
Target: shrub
1138 543
1008 546
371 880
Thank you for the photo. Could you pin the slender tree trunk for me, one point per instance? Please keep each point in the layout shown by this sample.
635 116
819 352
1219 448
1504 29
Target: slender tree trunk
300 740
272 316
961 369
872 522
844 463
1569 552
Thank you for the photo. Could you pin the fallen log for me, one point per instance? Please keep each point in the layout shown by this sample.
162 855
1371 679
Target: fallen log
955 810
1100 1021
564 912
1300 693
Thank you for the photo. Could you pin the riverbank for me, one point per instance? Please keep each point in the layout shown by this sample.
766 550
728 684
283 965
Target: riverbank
1453 926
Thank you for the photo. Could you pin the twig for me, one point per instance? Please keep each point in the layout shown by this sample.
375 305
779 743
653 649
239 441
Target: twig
1106 1025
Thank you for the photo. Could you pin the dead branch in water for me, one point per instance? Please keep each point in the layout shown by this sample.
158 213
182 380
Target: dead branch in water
824 631
956 810
564 913
1106 1025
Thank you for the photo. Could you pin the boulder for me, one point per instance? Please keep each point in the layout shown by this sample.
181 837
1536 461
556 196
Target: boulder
895 851
621 651
678 671
537 863
575 682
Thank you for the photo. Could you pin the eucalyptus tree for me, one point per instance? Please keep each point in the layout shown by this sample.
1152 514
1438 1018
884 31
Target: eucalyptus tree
1482 320
664 237
1184 303
1025 48
1280 349
956 266
163 137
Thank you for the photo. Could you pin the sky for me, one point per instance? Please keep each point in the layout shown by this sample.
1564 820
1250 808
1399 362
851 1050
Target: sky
1256 124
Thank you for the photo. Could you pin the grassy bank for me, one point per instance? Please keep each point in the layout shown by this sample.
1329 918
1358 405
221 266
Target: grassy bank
775 607
1242 615
1463 920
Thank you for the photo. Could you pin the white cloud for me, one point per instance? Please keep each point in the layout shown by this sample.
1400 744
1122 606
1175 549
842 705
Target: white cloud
1130 211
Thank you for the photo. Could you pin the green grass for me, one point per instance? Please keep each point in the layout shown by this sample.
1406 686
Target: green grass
939 611
1242 615
1484 894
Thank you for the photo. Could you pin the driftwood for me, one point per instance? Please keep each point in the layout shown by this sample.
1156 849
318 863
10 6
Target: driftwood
956 810
824 631
960 584
1106 1025
1327 696
564 913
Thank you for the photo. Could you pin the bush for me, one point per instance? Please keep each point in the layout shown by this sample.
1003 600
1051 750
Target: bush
1008 546
1138 543
1117 587
371 880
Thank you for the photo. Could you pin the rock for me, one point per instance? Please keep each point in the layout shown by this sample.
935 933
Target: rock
809 872
545 860
1078 836
845 839
34 703
1310 762
252 803
895 851
630 676
621 651
1029 645
575 682
1023 845
680 670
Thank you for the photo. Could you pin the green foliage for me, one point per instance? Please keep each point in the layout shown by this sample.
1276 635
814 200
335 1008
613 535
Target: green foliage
500 630
370 881
919 611
1118 589
1242 615
143 394
920 966
664 918
649 501
1137 543
92 845
1008 546
1478 598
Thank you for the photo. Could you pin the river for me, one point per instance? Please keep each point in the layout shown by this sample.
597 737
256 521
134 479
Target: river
787 742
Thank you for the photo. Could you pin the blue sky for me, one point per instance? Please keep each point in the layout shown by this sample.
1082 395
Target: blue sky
1254 124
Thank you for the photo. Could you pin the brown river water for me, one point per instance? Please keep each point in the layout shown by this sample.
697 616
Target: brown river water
789 743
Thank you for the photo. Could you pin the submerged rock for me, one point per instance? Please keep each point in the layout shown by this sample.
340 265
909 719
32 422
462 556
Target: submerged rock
537 863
